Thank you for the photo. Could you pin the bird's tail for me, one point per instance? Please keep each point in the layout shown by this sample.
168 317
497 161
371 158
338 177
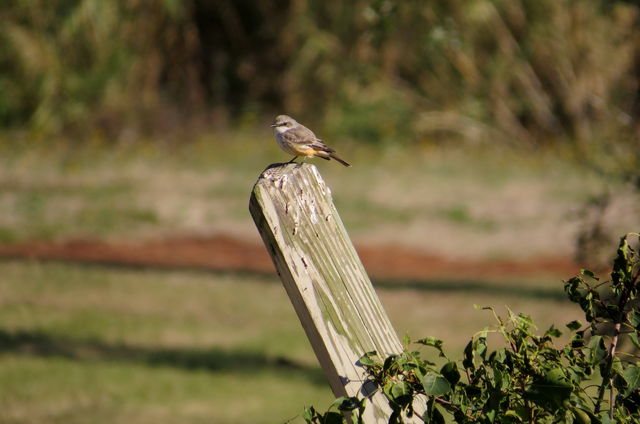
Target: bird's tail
334 156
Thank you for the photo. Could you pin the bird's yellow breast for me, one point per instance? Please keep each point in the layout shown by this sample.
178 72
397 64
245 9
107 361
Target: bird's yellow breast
295 148
303 150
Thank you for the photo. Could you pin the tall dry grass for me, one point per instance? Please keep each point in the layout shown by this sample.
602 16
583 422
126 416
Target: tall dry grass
520 72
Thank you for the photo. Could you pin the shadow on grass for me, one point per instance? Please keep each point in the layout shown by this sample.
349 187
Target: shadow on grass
36 343
476 287
469 285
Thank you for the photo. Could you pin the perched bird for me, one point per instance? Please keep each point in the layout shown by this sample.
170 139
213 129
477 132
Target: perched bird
298 140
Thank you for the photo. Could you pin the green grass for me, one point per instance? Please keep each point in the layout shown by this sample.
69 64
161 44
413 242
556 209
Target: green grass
60 390
91 343
471 201
85 343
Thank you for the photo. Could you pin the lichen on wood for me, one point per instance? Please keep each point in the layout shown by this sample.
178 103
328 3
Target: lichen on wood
324 277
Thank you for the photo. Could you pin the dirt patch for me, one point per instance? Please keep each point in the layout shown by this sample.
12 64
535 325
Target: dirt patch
223 253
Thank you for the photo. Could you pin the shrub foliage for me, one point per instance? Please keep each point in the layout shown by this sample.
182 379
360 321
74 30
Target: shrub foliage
528 379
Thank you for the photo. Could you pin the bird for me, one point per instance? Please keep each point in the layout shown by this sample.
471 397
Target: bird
298 140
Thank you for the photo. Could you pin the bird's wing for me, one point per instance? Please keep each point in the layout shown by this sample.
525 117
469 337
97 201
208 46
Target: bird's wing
300 135
303 136
319 145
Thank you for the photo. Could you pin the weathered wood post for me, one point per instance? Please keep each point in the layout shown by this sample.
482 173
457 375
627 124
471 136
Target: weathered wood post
324 278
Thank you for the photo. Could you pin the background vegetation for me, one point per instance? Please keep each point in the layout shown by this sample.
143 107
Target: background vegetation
481 128
519 72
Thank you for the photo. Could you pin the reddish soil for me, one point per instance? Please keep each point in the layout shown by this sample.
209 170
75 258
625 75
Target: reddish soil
222 253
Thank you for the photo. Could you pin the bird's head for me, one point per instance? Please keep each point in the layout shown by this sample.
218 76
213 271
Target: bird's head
283 122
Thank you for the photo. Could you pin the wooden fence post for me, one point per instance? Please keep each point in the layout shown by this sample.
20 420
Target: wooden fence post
324 278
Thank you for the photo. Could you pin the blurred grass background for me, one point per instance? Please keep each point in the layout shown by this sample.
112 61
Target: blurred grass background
530 73
483 129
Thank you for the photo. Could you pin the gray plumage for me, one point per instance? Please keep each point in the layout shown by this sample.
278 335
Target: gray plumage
298 140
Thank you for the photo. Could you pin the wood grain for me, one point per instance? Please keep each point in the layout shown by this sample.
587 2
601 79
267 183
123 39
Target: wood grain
324 278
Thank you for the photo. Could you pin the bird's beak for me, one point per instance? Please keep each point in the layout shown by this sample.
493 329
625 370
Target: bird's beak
274 125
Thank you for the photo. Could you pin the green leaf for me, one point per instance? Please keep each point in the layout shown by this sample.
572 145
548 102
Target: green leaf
622 265
346 403
435 385
333 418
571 288
498 378
388 385
553 332
634 319
634 339
450 372
480 346
605 419
574 325
581 416
551 390
523 322
400 393
556 377
431 341
406 340
433 416
468 356
308 414
498 357
484 308
513 416
598 350
588 273
632 377
401 388
389 362
367 359
577 341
